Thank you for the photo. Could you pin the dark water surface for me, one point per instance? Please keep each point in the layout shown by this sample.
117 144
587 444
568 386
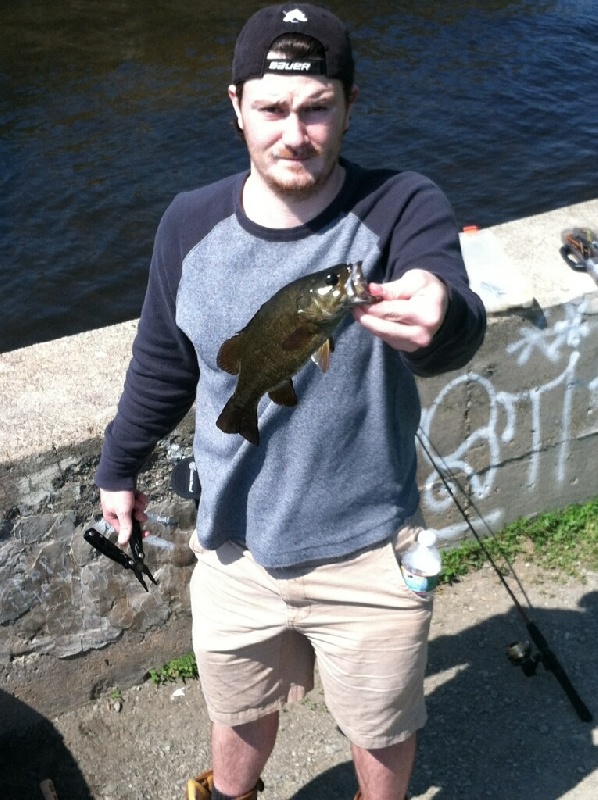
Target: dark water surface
110 107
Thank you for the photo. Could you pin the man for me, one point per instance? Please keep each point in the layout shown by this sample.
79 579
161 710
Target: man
298 539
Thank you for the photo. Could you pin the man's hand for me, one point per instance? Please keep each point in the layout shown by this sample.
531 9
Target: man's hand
118 509
411 311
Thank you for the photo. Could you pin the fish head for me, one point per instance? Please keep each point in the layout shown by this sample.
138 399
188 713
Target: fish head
332 291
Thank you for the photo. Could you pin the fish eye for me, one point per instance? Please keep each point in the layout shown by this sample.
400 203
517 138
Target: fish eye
331 279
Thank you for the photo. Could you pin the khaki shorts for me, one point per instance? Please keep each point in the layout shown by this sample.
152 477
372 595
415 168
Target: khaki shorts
257 634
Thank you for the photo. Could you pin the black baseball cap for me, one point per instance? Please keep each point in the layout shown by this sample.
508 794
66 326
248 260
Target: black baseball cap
255 41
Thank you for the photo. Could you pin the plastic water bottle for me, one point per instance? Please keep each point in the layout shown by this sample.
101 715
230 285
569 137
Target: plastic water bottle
421 564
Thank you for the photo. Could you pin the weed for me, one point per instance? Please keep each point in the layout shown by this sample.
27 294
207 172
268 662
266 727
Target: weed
183 669
565 541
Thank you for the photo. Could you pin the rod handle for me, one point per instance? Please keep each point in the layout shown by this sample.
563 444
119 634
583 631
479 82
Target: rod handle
552 663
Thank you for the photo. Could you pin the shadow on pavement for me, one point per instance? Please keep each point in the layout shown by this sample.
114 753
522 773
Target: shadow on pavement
338 783
493 732
31 750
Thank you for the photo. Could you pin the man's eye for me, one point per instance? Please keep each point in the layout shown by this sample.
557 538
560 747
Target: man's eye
314 110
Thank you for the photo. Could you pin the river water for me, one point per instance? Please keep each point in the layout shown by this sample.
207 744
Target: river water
110 107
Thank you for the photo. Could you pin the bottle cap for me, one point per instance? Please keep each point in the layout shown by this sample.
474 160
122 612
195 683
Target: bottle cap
427 537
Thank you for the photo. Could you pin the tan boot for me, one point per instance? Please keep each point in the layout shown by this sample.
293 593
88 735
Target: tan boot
200 788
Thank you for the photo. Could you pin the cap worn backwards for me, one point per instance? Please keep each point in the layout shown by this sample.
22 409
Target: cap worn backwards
253 57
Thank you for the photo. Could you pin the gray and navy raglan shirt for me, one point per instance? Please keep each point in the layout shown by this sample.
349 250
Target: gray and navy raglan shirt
337 472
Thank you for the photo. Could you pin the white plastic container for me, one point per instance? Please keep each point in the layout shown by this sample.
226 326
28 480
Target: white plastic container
421 564
492 274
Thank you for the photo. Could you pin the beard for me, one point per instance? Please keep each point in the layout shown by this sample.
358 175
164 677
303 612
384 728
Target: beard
296 180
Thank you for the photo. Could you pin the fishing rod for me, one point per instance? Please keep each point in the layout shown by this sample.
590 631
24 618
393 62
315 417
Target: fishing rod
518 652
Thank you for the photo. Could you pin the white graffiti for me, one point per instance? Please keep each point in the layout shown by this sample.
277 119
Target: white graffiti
567 332
503 411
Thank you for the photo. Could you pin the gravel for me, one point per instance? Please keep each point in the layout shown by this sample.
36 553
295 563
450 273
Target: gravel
492 731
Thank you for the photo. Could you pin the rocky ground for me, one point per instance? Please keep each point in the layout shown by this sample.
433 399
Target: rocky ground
492 732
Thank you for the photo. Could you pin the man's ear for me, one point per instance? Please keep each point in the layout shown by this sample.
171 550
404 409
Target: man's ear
232 93
352 98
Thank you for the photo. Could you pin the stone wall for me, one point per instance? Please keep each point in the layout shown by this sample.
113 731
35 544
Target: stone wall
61 601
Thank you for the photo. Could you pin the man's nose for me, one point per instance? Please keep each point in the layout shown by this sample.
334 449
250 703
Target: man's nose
294 132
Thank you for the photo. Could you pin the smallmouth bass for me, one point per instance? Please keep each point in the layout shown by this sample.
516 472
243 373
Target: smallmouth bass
295 324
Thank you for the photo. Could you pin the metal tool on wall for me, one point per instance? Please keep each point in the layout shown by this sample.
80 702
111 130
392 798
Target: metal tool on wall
580 250
519 653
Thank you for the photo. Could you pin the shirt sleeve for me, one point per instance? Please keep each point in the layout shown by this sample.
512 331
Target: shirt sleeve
162 376
426 237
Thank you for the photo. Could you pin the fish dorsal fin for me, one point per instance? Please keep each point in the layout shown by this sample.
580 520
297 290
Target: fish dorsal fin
229 356
283 394
322 355
298 339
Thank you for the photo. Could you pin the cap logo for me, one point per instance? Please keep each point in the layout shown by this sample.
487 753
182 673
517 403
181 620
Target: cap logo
294 16
291 66
287 66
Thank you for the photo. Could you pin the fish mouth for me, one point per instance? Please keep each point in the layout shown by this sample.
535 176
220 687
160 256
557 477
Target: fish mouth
357 290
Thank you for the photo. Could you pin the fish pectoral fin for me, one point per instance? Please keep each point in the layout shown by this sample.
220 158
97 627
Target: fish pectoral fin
322 355
298 339
283 394
229 355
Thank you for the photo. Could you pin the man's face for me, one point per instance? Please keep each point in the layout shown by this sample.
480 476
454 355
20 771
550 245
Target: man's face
293 127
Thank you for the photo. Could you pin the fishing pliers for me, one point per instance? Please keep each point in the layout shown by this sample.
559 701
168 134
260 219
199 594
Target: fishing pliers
136 562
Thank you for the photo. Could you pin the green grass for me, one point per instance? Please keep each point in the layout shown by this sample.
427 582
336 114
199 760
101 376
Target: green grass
565 541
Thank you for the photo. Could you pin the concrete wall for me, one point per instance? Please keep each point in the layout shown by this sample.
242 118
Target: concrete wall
518 428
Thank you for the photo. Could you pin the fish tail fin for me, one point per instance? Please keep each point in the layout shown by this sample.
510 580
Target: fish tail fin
239 419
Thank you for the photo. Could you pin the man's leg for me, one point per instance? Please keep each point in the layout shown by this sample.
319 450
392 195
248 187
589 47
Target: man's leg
384 774
239 754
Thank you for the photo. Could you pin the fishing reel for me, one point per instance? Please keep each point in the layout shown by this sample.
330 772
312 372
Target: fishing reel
520 654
